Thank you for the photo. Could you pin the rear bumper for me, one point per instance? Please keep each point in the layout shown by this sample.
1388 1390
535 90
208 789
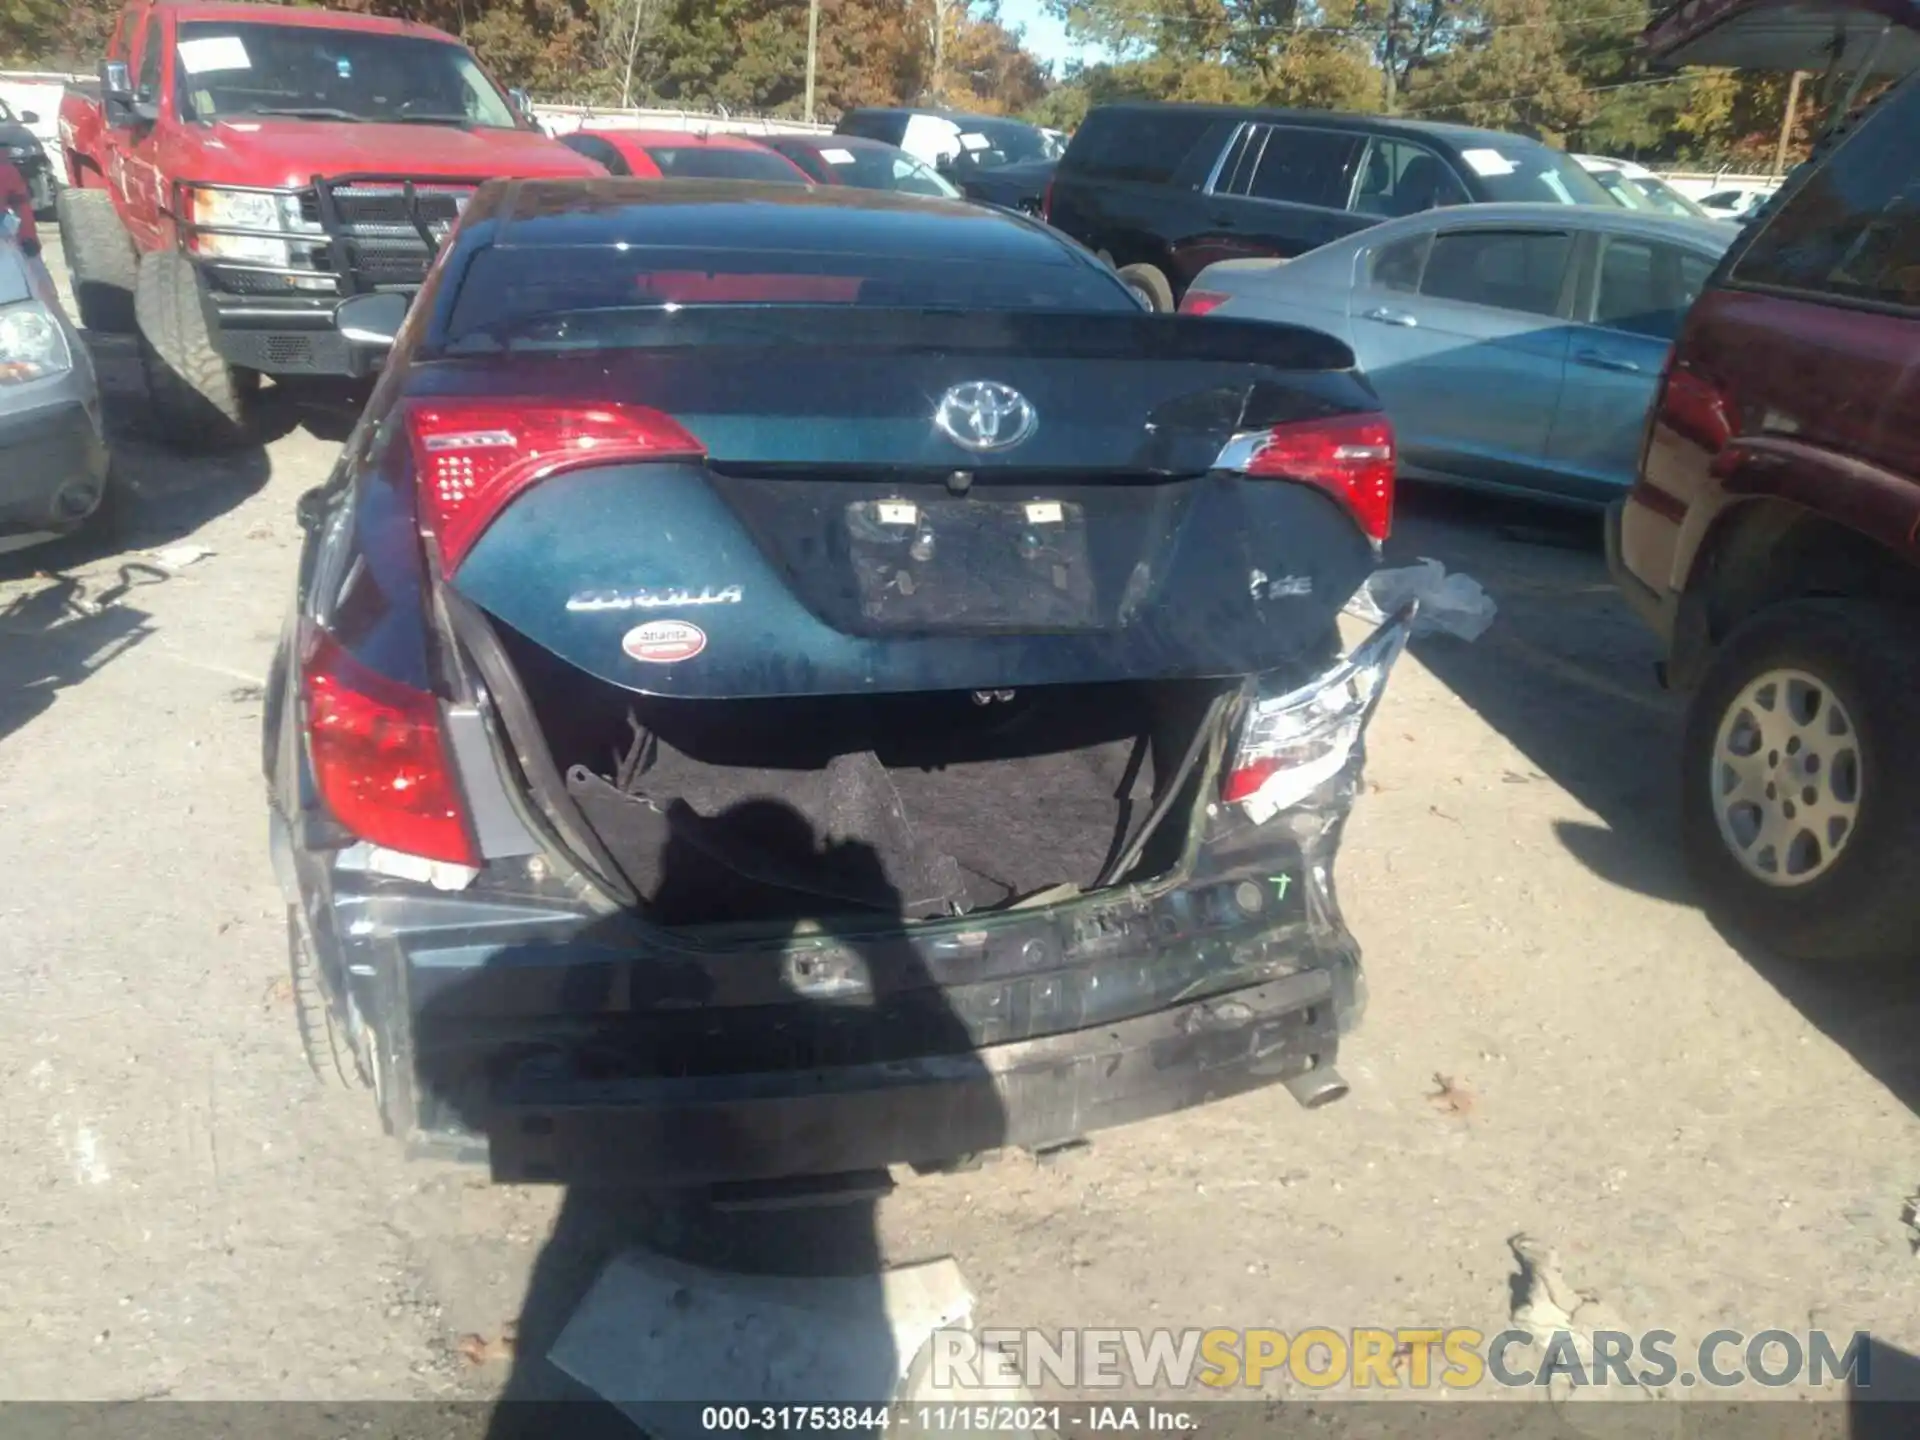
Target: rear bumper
287 335
1034 1093
564 1048
53 462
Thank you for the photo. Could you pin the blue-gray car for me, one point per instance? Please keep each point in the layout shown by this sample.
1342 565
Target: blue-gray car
1515 347
788 681
53 449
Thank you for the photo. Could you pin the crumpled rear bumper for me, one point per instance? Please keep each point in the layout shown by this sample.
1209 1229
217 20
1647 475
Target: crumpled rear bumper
1034 1093
568 1047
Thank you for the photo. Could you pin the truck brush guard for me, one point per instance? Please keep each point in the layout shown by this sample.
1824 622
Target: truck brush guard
363 232
367 219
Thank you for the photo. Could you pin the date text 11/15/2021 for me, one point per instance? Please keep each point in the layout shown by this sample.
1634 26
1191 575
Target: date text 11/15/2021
939 1419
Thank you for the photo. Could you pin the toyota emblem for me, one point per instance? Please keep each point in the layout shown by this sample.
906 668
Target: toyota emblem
985 415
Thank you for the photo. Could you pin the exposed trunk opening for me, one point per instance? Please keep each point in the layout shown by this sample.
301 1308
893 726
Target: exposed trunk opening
917 805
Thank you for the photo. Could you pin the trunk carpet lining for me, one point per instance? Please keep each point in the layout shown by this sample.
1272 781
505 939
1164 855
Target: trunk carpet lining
891 832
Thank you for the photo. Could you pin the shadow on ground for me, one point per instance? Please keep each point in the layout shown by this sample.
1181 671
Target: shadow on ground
66 606
54 634
679 1096
1566 676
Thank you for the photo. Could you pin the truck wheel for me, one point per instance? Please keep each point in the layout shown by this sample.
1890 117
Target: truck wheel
196 400
330 1054
1800 800
100 258
1150 285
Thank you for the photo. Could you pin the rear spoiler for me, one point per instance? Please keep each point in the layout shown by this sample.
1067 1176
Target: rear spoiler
1074 335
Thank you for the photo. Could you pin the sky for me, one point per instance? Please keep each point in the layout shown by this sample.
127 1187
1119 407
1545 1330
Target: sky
1046 37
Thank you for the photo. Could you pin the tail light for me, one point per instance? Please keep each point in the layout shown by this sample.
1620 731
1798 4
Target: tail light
1046 201
379 757
1292 743
1199 302
1693 406
1349 456
475 455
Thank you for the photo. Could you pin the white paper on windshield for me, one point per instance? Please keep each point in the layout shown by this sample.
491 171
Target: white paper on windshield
837 157
974 141
898 512
214 52
1044 512
1488 162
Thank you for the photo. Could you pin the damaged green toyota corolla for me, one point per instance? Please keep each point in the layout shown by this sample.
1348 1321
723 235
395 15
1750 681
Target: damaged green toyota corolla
788 683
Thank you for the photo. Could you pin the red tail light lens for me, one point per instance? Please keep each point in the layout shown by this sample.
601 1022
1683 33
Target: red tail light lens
1351 457
1046 201
475 455
379 757
1199 302
1694 407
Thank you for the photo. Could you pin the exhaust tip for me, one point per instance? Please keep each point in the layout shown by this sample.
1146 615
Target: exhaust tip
1319 1086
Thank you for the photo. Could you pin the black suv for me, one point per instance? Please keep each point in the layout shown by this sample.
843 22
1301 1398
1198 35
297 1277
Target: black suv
1163 191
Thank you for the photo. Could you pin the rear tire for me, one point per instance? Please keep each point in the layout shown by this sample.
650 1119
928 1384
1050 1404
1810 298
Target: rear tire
330 1054
197 402
1837 893
100 259
1148 283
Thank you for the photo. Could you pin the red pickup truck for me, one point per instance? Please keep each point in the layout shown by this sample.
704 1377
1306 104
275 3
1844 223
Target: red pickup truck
241 169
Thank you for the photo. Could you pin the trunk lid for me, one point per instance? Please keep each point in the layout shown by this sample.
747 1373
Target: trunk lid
839 539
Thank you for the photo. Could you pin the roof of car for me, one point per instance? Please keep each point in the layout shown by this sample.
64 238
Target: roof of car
956 115
240 12
711 139
1652 224
726 214
1384 124
829 142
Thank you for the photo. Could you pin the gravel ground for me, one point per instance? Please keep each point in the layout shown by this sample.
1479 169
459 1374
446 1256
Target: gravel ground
1558 1043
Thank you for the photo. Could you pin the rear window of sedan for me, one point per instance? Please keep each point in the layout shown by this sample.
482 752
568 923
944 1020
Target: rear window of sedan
714 162
575 297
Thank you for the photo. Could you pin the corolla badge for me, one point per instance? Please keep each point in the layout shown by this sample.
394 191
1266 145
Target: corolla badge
985 415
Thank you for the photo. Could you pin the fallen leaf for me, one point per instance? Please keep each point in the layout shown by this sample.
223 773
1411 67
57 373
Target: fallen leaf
478 1350
279 992
1450 1097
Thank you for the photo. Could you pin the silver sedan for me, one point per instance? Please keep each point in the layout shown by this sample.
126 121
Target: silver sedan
53 450
1516 347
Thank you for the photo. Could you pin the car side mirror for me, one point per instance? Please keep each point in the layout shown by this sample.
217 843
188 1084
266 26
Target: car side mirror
371 319
29 117
117 99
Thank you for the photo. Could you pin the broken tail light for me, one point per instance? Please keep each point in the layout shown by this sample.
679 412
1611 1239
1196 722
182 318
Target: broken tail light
473 456
1292 743
1351 457
379 756
1692 406
1199 302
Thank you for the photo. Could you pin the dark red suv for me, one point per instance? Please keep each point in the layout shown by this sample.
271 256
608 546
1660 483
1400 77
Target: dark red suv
1773 540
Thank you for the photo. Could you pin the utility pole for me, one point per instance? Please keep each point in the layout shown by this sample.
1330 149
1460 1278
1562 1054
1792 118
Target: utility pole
813 51
1786 126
